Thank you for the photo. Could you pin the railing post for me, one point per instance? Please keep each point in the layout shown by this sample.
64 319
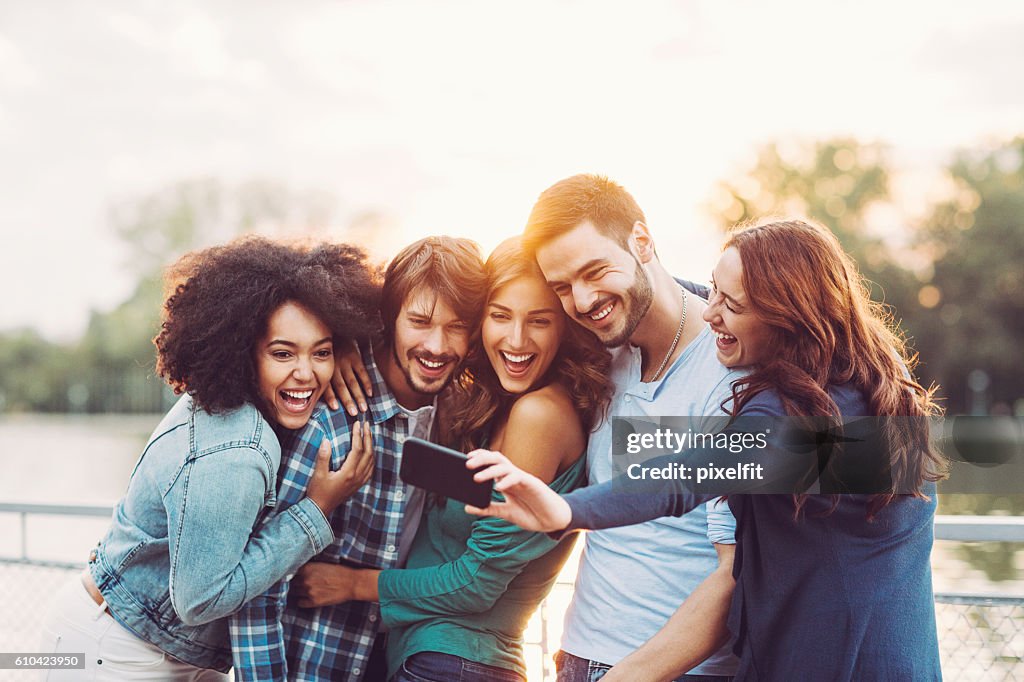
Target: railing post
24 535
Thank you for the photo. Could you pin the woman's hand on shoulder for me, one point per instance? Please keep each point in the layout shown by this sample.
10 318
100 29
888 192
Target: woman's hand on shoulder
327 488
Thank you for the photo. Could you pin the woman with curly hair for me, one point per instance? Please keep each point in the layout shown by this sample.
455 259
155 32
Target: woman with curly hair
828 586
535 386
248 335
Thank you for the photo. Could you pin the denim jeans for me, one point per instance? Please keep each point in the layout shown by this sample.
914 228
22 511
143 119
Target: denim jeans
575 669
430 666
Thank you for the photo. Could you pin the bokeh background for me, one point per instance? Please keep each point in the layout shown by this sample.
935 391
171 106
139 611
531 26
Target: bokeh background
133 131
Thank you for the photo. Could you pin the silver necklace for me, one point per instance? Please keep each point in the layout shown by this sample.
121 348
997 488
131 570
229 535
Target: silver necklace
675 341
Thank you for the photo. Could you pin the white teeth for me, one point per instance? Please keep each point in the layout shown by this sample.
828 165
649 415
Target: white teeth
430 364
299 395
725 337
602 313
518 358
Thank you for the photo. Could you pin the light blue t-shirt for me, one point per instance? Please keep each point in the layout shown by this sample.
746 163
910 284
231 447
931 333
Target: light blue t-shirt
632 579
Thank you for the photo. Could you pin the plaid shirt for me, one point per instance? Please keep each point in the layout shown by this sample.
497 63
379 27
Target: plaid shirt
272 640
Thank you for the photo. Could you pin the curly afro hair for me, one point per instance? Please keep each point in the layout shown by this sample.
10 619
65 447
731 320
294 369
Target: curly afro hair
221 298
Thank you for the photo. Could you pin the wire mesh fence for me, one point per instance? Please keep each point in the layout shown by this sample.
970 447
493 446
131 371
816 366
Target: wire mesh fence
981 638
25 592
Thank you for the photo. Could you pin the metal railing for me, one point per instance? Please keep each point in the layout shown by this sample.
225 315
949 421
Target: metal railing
981 636
23 511
980 528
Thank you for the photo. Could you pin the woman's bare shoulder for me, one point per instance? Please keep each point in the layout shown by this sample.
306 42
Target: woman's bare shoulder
545 427
547 404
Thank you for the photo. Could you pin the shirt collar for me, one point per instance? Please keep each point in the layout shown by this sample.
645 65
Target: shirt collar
383 404
650 390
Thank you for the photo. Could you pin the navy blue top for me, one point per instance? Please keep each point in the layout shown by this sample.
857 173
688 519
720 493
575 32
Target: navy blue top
830 597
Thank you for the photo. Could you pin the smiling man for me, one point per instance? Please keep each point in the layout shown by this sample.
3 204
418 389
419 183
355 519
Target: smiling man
431 304
591 241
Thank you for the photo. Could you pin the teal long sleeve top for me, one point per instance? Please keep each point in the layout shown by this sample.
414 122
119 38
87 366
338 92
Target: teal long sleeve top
471 584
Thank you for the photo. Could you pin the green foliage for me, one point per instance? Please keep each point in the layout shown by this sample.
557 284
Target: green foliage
35 372
833 182
111 368
194 214
976 240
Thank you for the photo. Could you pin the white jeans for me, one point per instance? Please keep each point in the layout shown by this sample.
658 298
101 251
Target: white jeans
75 624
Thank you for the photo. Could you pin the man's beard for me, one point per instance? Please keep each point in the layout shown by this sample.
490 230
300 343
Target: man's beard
413 383
637 301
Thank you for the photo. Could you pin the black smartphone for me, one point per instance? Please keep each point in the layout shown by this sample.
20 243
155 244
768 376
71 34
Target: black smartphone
443 471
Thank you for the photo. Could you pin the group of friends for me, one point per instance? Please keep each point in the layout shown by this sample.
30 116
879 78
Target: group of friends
266 528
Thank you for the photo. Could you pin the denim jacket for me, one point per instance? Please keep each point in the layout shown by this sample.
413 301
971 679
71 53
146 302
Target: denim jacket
196 536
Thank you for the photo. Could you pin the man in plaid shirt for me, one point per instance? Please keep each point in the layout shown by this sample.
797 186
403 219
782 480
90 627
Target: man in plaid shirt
431 303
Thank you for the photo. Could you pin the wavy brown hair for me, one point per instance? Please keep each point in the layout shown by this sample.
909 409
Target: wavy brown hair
824 330
219 300
582 365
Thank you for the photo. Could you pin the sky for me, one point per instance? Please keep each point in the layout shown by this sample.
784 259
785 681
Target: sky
452 116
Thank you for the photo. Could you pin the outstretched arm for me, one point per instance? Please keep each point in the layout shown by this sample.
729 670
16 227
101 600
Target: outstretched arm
529 503
532 505
624 501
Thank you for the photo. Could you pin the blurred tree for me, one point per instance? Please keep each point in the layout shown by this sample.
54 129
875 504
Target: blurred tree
117 358
962 306
161 226
33 373
833 181
974 291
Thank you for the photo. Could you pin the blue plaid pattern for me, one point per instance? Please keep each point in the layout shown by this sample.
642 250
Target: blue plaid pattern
273 640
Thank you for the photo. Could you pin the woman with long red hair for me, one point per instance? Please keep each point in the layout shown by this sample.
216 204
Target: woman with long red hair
828 587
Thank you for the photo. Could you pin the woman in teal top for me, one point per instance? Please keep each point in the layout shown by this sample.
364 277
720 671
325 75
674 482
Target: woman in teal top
534 388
